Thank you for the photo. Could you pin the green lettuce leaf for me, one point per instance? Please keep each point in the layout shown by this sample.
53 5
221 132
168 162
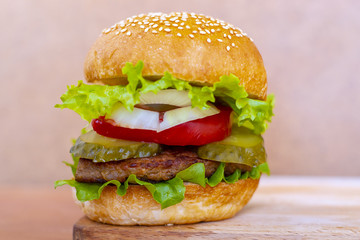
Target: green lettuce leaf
92 101
74 165
169 192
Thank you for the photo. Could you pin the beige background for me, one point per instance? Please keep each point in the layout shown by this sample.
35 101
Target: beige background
310 48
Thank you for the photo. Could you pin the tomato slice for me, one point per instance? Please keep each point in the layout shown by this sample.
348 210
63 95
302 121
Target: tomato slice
197 132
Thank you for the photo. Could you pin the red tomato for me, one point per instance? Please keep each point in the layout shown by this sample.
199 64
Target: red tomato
197 132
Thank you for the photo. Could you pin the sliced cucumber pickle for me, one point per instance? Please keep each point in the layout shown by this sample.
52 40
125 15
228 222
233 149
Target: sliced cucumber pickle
242 137
104 149
241 146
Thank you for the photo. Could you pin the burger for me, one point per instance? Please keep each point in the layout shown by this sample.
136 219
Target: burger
176 105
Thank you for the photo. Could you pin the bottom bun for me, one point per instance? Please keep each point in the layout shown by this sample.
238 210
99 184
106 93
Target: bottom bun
138 207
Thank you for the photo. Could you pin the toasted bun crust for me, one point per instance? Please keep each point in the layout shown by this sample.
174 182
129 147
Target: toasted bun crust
192 47
138 207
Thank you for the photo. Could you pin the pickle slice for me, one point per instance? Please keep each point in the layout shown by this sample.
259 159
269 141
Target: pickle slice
242 137
241 146
104 149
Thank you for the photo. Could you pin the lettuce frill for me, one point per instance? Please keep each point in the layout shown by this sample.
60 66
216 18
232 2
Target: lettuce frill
166 193
92 101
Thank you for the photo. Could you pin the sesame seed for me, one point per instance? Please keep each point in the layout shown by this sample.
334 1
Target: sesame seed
196 24
251 39
228 48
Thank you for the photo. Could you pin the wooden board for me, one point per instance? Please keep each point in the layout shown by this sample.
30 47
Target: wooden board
282 208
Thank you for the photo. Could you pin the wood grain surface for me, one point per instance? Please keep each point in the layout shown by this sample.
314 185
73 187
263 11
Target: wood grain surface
282 208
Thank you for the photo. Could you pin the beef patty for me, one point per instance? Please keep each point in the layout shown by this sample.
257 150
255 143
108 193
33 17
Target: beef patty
154 169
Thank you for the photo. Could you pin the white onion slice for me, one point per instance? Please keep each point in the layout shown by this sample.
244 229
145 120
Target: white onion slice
138 118
168 96
150 120
185 114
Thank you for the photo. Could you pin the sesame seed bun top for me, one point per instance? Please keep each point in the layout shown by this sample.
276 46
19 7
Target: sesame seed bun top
192 47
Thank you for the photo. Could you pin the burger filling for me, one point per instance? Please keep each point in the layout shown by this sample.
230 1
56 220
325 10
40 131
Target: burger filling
161 133
159 168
